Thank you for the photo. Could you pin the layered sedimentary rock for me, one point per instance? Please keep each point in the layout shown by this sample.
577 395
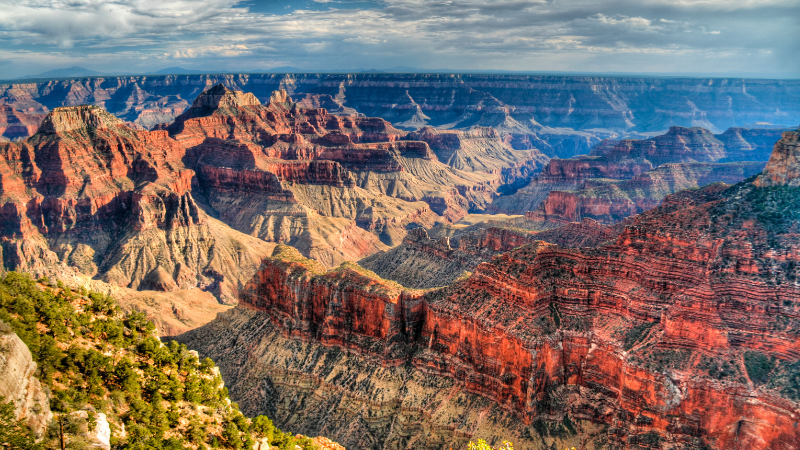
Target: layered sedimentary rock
622 178
93 194
423 262
783 168
89 193
337 187
681 333
612 201
15 124
481 149
560 115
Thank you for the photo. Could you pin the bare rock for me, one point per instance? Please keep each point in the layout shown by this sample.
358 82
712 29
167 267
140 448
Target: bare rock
18 383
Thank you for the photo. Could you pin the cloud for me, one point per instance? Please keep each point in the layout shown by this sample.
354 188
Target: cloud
631 35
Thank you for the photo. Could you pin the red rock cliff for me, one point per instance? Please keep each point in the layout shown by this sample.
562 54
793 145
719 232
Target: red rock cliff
681 332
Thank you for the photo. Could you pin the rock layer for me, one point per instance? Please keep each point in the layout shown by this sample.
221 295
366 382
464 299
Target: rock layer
423 262
622 178
91 193
681 333
560 115
337 187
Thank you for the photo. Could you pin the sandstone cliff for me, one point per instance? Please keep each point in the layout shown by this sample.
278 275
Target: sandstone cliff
622 178
337 187
423 262
90 193
681 333
198 203
16 124
560 115
783 168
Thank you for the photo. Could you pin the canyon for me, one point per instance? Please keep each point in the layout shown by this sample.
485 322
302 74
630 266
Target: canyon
679 333
198 203
621 178
562 116
625 305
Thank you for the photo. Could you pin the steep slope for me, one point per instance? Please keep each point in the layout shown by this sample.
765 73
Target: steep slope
622 178
679 334
88 192
337 187
16 124
111 381
481 149
562 116
423 262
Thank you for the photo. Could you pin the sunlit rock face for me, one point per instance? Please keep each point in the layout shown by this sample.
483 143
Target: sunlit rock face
199 202
560 115
337 187
783 168
115 203
679 333
622 178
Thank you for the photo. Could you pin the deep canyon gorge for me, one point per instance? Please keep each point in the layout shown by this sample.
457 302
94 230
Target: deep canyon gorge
400 261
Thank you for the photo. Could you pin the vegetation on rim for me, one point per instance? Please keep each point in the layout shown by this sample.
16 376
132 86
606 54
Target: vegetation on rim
94 359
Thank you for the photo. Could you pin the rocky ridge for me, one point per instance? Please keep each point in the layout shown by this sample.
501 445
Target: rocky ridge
622 178
560 115
337 187
89 193
678 334
198 203
424 262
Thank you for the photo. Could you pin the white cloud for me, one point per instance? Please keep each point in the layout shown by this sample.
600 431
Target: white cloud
546 35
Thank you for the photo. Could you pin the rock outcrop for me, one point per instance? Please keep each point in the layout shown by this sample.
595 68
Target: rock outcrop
336 187
15 124
783 168
198 203
422 262
562 116
90 193
681 333
18 383
622 178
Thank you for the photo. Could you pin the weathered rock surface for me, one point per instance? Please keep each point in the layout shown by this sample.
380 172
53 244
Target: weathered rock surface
622 178
681 333
16 124
422 262
18 383
91 193
560 115
336 187
783 168
610 202
88 192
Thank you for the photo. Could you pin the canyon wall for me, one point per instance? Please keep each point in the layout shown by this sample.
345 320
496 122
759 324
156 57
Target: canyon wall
91 194
196 204
423 262
680 333
560 115
621 178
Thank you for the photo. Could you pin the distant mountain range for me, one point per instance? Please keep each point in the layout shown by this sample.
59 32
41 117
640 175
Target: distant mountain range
67 72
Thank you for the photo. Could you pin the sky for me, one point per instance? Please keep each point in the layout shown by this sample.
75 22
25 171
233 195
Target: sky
754 38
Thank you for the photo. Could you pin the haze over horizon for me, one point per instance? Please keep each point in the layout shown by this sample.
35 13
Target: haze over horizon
710 37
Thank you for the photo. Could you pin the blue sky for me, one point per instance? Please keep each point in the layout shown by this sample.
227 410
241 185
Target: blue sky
720 37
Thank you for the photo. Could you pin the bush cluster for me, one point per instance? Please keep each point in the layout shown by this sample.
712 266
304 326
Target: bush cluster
94 358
